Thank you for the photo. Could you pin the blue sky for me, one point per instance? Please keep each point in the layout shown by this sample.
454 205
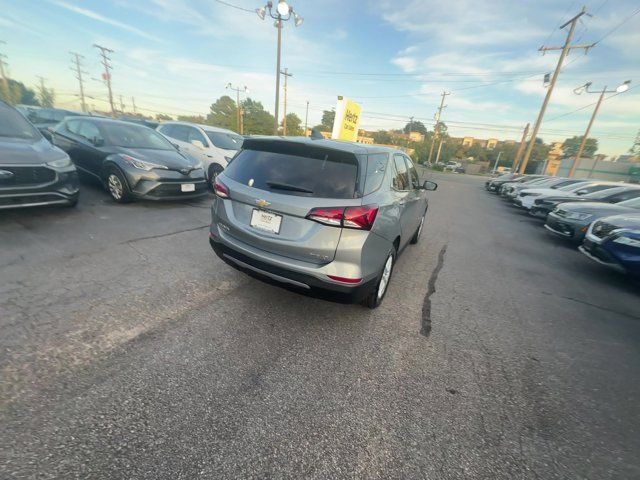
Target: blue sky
395 58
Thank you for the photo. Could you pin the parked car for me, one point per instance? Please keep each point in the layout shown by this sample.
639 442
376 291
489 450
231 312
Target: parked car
139 120
524 180
571 220
32 171
526 197
615 242
318 215
452 167
553 183
543 206
45 119
132 161
494 184
213 146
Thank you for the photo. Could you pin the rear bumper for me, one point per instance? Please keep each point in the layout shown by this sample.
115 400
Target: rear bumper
291 280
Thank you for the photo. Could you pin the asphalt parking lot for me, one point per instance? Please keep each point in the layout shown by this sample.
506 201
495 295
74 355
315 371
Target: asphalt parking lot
130 351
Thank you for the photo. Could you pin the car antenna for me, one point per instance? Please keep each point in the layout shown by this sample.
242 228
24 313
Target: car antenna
315 134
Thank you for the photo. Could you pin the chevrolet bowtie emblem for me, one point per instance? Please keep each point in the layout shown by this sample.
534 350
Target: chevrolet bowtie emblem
263 203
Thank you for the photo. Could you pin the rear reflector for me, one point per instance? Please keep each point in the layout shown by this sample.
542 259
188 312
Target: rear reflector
345 280
220 189
360 218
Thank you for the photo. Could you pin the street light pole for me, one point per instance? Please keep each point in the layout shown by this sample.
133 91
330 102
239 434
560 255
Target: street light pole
306 117
238 108
283 12
585 88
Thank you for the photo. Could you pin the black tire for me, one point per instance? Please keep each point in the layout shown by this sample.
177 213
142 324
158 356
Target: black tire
373 299
215 169
112 177
416 236
73 202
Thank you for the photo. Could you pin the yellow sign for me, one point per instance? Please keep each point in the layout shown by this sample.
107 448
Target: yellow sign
345 125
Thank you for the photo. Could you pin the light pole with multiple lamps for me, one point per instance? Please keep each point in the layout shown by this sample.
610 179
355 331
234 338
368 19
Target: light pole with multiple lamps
623 87
283 12
238 90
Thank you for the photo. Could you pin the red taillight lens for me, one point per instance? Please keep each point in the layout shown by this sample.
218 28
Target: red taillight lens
344 279
220 188
360 217
328 216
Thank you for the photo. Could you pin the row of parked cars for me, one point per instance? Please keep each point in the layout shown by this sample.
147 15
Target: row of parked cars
39 163
601 217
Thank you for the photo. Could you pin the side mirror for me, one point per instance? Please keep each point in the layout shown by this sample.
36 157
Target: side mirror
430 185
197 143
581 192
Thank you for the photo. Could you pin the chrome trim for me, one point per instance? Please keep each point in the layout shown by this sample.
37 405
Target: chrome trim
556 231
267 274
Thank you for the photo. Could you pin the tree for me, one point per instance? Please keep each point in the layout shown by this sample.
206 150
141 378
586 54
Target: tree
17 93
477 152
257 121
571 145
382 137
294 123
162 117
328 117
193 119
46 96
224 114
415 126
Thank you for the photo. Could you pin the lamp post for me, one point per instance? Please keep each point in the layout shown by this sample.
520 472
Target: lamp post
238 90
283 12
623 87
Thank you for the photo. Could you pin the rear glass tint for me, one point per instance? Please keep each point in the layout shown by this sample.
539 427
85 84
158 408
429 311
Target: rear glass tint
296 170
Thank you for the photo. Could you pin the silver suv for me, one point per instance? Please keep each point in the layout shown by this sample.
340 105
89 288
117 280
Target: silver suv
318 215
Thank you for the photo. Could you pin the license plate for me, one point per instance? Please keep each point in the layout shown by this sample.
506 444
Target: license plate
267 221
188 187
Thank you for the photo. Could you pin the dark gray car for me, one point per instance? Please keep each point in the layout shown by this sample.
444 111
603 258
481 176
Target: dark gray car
318 215
572 220
32 171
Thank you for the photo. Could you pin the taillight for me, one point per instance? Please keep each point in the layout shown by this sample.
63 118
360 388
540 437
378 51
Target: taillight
361 218
220 188
351 281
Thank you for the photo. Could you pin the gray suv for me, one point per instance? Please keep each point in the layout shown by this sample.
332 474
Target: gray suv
318 215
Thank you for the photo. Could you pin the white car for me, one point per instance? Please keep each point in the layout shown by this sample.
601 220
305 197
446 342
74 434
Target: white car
213 146
527 197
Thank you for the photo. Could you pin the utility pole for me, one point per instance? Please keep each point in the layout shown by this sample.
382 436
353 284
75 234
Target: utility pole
104 53
437 127
565 50
495 165
439 149
523 144
133 104
77 61
121 104
43 89
306 117
286 74
238 107
5 82
409 134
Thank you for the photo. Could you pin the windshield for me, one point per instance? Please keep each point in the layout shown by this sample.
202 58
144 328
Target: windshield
573 186
130 135
635 203
605 193
226 141
14 125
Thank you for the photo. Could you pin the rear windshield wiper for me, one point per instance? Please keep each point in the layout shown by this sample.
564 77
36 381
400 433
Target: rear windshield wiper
286 186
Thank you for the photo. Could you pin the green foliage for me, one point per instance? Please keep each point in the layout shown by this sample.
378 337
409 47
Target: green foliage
328 117
383 137
17 93
46 97
161 117
571 145
415 126
224 114
257 121
200 119
294 123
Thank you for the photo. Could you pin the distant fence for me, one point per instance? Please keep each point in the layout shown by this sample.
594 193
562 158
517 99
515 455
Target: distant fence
591 168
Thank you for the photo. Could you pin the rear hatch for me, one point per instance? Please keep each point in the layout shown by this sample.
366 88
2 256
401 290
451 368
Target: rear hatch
274 184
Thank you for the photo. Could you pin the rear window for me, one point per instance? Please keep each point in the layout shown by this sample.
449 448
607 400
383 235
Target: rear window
376 170
296 169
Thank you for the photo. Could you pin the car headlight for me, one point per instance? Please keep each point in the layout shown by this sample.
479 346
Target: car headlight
632 242
577 215
61 162
142 164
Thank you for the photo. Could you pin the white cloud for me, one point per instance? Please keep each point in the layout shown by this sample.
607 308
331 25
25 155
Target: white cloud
407 64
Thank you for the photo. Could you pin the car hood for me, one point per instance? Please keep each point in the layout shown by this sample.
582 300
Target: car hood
597 208
28 152
172 159
630 220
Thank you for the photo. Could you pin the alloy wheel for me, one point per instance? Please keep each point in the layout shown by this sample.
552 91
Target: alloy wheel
386 275
115 186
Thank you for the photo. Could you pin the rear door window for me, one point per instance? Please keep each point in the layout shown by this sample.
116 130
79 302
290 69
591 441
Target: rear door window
401 177
413 174
180 132
376 170
296 169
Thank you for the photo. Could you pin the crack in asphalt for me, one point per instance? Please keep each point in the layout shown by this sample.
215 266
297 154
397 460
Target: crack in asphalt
165 234
600 307
431 289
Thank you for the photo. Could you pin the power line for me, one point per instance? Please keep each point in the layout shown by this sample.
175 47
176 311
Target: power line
104 51
618 25
237 7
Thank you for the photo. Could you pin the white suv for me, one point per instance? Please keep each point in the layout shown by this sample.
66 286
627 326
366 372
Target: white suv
211 145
